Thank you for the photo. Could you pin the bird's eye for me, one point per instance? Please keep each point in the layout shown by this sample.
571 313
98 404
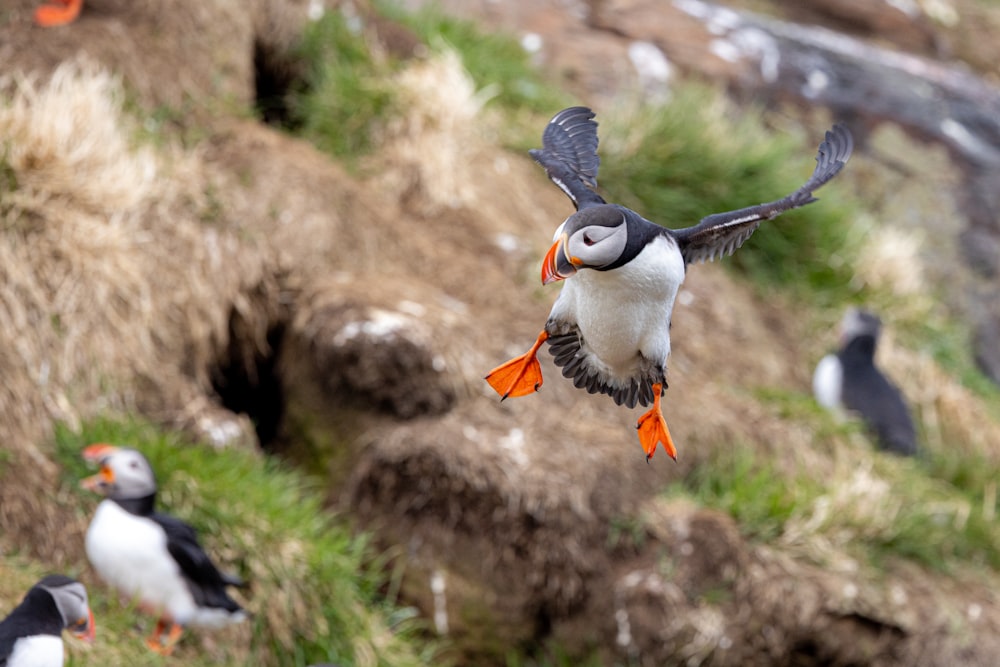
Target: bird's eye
587 240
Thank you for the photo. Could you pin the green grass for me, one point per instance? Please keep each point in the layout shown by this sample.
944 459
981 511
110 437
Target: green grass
312 596
678 163
750 490
345 92
935 511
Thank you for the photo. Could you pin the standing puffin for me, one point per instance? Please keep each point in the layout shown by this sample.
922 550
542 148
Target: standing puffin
849 379
609 329
152 557
32 634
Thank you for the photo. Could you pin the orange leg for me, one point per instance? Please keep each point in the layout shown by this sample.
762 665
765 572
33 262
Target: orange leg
58 12
155 643
519 376
653 428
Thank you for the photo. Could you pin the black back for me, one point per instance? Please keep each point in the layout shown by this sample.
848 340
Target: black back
206 583
879 402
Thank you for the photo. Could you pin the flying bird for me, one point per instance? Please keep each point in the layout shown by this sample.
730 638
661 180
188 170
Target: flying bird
152 557
609 329
849 379
31 636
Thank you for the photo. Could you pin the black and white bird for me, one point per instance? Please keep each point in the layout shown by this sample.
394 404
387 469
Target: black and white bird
31 636
151 557
849 380
609 329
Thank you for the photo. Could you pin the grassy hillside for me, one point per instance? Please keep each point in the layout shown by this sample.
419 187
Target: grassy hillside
318 592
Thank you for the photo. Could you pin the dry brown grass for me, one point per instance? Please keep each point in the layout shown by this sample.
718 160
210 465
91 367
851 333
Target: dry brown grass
107 271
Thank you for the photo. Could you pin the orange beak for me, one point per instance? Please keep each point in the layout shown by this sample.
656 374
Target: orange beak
105 477
94 453
85 628
99 482
558 265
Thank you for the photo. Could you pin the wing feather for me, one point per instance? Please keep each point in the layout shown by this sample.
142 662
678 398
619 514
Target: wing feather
207 583
721 234
569 155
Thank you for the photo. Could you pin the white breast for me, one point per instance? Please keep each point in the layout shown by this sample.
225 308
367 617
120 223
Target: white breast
37 651
130 553
626 311
828 379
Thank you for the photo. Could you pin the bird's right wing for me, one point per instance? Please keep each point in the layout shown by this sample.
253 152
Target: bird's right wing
569 155
721 234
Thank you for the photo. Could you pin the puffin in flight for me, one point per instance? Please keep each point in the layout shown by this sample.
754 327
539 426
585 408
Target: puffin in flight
152 557
849 379
609 329
32 634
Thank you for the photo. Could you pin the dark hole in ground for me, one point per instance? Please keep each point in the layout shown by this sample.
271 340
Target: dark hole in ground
251 385
275 78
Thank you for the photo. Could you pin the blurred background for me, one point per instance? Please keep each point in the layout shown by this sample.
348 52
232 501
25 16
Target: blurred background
276 245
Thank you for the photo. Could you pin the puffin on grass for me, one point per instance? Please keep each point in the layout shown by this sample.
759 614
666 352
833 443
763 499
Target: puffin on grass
152 557
31 636
609 329
850 380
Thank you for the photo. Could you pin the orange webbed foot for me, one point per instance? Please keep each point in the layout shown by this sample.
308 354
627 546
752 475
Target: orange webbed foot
653 428
59 12
521 375
155 641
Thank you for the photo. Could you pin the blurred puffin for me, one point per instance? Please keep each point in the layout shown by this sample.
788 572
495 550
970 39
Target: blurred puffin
849 379
152 557
58 12
609 329
32 634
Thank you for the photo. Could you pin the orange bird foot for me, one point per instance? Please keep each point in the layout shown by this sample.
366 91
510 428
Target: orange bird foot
519 376
155 641
58 12
653 428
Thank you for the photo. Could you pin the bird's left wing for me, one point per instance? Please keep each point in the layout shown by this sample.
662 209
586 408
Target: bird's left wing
569 155
721 234
195 564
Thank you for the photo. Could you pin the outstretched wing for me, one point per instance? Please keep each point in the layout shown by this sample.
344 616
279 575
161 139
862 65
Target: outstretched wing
721 234
569 155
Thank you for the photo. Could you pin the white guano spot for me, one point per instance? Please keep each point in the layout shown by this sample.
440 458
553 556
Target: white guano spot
381 324
440 602
513 444
532 42
650 63
816 83
507 242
